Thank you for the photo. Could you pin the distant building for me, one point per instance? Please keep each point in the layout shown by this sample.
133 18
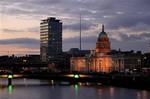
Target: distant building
78 59
98 60
51 38
146 63
126 60
103 59
76 52
146 60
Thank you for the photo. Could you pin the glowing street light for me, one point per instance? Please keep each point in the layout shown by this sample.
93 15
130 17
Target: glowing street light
9 79
76 76
10 76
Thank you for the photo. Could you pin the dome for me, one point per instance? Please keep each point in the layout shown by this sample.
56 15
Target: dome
103 44
102 35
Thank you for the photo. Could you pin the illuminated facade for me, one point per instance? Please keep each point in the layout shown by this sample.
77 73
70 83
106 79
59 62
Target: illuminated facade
99 60
78 64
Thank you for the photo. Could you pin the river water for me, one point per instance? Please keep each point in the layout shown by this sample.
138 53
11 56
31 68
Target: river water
38 89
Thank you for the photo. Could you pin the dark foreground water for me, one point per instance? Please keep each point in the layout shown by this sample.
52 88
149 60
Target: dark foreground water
37 89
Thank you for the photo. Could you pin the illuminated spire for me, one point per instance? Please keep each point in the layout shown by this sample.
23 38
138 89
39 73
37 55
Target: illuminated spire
103 28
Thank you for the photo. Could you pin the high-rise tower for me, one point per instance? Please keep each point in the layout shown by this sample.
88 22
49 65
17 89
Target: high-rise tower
51 38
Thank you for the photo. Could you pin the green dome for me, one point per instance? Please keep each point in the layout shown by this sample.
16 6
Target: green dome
102 35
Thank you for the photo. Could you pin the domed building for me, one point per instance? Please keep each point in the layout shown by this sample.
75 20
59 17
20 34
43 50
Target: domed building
103 44
99 60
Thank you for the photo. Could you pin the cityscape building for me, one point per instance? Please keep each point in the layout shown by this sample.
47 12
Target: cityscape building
99 60
126 61
51 38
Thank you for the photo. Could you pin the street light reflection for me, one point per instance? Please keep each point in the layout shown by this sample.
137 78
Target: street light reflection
10 88
76 88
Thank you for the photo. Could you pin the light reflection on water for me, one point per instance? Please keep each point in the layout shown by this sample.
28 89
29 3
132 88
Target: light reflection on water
37 89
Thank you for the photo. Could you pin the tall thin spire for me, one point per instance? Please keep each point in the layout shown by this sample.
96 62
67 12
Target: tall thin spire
103 27
80 32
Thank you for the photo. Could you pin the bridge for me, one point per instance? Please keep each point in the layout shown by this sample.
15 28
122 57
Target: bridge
68 77
131 81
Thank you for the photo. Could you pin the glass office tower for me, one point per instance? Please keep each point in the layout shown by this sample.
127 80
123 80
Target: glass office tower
51 38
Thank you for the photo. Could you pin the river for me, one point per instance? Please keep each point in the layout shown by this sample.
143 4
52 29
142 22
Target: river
39 89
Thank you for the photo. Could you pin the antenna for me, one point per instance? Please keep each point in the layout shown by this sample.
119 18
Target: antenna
80 32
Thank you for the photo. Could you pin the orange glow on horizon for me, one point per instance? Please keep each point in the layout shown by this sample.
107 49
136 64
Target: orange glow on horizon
16 50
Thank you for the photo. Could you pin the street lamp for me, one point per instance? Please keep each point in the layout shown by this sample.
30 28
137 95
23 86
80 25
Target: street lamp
10 79
139 64
76 76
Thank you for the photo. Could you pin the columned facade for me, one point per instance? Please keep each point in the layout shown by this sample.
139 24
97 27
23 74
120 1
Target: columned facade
99 60
102 56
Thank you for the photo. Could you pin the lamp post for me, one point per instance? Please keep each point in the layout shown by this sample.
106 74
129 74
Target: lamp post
9 79
144 60
139 64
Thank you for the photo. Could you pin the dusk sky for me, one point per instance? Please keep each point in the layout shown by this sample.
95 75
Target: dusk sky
127 23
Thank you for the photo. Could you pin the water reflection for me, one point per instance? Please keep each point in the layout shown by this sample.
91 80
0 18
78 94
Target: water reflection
38 89
122 93
76 86
10 88
111 90
143 94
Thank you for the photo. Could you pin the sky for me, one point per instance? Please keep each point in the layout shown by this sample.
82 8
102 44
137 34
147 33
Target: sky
127 23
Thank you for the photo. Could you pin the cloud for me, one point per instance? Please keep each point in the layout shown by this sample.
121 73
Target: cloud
31 30
24 41
11 30
46 2
87 39
19 46
88 42
134 37
132 42
34 30
118 13
85 26
127 19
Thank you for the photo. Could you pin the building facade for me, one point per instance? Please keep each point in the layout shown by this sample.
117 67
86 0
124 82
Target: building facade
125 61
99 60
51 38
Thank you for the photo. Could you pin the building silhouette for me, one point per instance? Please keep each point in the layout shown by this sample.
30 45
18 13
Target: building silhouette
51 38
